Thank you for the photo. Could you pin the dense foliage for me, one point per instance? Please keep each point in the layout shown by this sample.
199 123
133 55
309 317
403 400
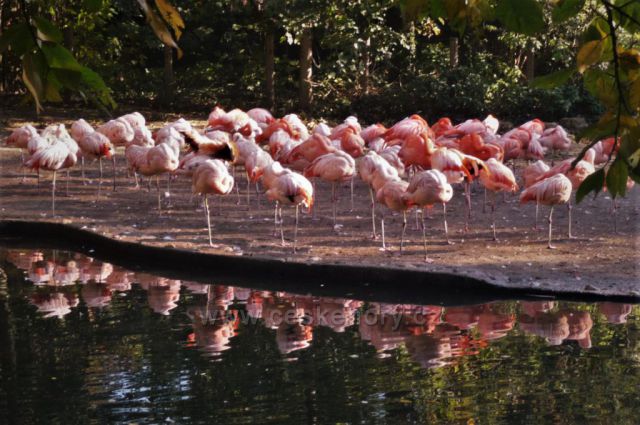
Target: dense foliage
379 59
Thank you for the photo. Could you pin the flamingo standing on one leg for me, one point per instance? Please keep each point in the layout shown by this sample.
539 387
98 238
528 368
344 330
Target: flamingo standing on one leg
496 176
551 191
428 188
20 138
530 176
211 176
54 157
577 174
391 194
96 145
334 167
294 189
375 171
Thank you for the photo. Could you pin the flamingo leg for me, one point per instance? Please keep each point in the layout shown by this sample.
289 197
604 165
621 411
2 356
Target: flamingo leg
275 220
295 231
404 226
158 190
258 194
373 214
417 221
446 227
100 179
281 226
24 174
493 215
135 176
233 169
248 192
467 216
535 224
352 180
549 246
484 204
113 161
53 195
84 182
333 201
570 207
384 245
206 210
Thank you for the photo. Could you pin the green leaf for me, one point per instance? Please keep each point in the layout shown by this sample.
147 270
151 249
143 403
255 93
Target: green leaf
59 57
553 80
593 183
590 53
33 76
617 178
523 16
566 9
47 31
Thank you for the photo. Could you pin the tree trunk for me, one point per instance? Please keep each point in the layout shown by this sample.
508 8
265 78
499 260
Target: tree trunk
306 70
530 65
269 69
366 63
167 91
453 52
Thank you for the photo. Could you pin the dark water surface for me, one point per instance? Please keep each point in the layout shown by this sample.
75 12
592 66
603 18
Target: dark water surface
83 341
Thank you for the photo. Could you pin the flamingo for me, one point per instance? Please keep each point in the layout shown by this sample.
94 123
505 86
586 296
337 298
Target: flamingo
54 157
96 145
576 174
211 176
531 175
496 176
425 189
261 116
391 194
375 171
334 167
153 161
551 191
290 188
20 138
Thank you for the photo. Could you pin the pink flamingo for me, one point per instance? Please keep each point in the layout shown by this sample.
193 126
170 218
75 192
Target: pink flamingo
551 191
211 176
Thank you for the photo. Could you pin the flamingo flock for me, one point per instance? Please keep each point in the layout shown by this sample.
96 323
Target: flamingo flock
409 165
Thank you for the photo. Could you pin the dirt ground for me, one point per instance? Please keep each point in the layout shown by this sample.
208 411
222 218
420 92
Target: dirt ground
597 260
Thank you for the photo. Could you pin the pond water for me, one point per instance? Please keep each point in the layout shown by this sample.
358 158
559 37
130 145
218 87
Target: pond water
85 341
